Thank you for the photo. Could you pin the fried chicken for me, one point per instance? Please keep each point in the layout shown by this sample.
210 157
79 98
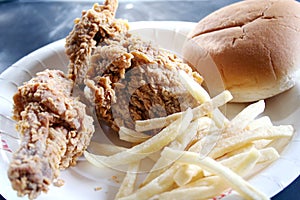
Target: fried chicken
55 130
123 77
126 78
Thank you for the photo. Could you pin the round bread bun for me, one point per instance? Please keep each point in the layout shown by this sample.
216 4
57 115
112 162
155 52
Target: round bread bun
251 48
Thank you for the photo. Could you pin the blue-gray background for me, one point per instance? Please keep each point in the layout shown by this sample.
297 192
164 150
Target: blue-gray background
27 25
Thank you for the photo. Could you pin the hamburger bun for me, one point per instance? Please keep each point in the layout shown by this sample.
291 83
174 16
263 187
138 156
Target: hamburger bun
251 48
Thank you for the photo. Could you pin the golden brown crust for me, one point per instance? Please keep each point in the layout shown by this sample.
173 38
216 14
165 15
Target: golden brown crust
54 129
128 78
120 71
94 25
254 44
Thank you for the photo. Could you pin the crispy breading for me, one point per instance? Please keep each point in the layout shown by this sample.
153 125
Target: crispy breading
54 128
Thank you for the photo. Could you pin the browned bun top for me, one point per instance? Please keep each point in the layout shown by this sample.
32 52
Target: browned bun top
254 44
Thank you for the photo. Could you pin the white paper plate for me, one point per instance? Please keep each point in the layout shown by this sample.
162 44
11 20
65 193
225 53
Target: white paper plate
82 180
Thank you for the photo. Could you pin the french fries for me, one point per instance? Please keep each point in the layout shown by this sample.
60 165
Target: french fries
209 164
187 173
181 143
128 184
199 153
202 96
158 185
226 145
198 92
206 189
142 150
247 115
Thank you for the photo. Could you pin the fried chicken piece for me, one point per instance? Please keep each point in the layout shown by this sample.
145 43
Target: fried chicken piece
95 24
126 78
55 130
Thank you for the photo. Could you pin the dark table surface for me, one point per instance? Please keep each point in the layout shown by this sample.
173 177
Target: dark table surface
28 25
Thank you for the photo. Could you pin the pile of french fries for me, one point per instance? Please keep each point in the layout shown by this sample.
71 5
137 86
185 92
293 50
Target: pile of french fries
198 154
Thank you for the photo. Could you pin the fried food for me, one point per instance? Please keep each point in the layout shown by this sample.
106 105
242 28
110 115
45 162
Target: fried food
206 159
126 78
54 128
131 83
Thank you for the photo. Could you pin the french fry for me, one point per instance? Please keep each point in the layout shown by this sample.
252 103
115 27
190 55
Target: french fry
196 90
203 189
249 157
156 123
219 118
201 95
128 183
192 193
206 144
200 124
242 119
234 180
186 173
146 148
158 185
260 144
268 155
180 143
110 149
242 163
279 143
132 136
199 111
212 185
262 121
229 144
217 101
245 148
